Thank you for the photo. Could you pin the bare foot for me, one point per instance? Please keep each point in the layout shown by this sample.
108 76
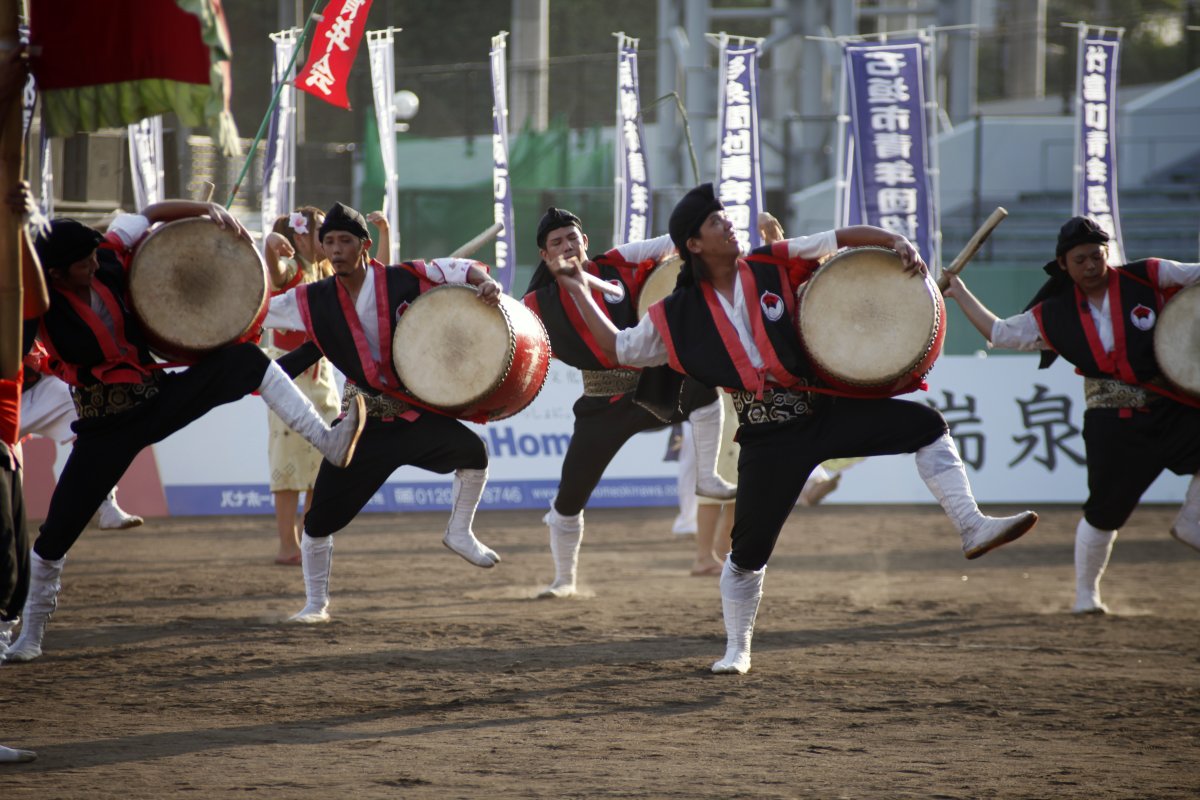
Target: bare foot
289 559
701 568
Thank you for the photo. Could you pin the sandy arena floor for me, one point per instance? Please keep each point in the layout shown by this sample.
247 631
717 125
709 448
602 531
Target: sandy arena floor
885 665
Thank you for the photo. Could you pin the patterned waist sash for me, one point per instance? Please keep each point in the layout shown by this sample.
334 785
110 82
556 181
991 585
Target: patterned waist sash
776 405
104 399
609 382
1112 393
382 406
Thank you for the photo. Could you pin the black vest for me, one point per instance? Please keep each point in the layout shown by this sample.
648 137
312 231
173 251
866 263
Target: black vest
74 342
569 336
686 323
328 327
1134 305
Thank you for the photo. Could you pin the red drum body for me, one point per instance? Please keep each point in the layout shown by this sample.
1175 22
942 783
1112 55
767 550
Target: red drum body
870 329
1177 340
195 287
468 359
659 283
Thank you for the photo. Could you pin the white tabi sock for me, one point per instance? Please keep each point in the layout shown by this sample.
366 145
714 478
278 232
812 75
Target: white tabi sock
942 470
297 412
45 582
1092 549
10 755
741 592
566 535
706 433
464 499
316 555
113 517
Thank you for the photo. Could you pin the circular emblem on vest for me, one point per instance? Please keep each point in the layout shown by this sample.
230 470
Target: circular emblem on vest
772 305
614 299
1142 317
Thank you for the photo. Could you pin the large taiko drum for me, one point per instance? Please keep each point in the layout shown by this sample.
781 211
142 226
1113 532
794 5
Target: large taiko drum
871 329
659 283
462 356
1177 340
195 287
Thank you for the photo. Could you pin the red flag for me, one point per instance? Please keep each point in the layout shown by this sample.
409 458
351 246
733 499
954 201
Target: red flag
335 44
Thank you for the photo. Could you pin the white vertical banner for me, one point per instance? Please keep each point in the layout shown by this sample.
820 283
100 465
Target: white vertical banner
146 161
380 47
279 161
632 210
502 268
28 104
739 182
1095 191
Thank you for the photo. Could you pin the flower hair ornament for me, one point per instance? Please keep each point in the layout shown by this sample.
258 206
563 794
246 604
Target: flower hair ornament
298 223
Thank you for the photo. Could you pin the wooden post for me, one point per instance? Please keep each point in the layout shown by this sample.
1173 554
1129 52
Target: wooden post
12 152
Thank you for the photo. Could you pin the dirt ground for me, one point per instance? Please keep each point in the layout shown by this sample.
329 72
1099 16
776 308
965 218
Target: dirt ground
885 665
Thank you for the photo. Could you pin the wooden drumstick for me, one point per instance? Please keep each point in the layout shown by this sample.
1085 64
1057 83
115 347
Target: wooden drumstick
594 283
479 241
972 246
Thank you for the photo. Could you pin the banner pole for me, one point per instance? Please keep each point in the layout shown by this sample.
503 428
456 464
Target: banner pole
262 128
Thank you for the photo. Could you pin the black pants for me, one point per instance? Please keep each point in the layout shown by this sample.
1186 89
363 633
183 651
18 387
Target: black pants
1126 455
106 446
602 427
777 459
14 539
433 442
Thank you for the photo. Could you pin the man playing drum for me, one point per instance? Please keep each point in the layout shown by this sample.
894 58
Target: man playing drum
1102 320
125 401
607 415
727 324
351 318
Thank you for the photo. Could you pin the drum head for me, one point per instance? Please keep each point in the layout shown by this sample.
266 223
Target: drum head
865 320
1177 340
195 285
450 350
659 283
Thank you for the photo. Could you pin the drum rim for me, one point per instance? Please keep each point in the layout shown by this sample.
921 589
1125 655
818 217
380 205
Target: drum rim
830 375
169 347
508 363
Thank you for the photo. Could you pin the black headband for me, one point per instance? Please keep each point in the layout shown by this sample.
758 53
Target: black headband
344 218
686 218
552 220
68 241
1077 231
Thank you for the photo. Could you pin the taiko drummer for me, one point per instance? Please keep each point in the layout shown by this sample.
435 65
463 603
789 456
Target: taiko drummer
351 318
1102 320
610 412
729 324
125 401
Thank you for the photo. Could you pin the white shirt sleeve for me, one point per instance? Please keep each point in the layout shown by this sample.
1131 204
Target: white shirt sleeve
641 345
648 249
448 270
1017 333
283 313
818 245
1174 273
129 228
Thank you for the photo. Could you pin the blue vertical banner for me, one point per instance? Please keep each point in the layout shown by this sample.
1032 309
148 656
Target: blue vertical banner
1095 191
890 139
502 266
146 161
633 208
45 199
739 182
381 49
279 160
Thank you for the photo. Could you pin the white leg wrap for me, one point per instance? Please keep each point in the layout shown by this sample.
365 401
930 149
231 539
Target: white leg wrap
316 554
566 535
45 582
113 517
467 490
1187 525
297 412
1092 549
943 472
7 627
706 433
741 592
685 484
